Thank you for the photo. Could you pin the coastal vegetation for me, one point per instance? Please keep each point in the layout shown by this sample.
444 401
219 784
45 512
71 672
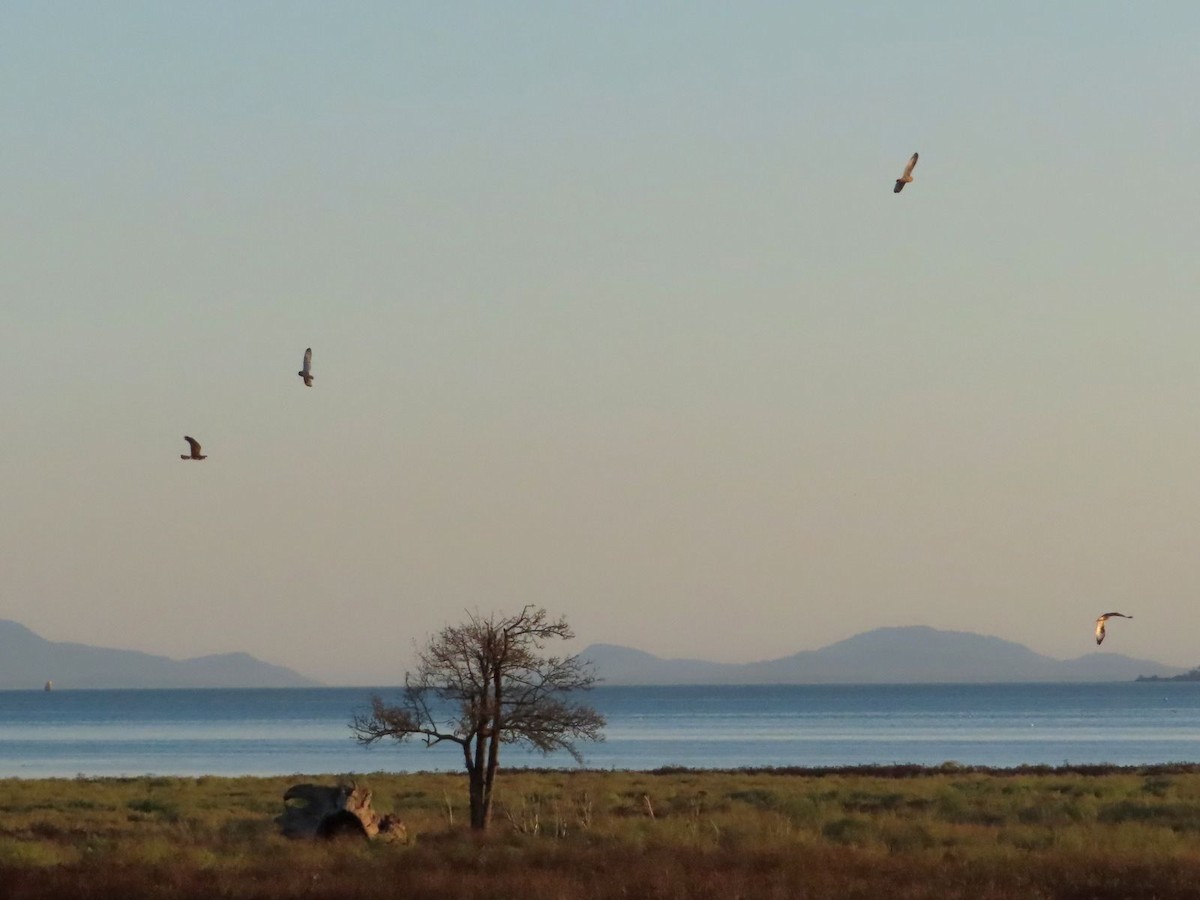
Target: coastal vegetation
1190 675
900 832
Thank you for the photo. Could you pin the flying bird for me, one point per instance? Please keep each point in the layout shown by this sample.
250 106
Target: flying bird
1100 624
306 372
907 176
195 445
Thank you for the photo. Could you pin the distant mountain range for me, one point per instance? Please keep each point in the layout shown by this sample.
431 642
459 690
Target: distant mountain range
29 661
883 656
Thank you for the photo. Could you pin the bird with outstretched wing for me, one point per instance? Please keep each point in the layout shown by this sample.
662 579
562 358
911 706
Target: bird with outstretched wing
195 446
306 371
907 176
1100 624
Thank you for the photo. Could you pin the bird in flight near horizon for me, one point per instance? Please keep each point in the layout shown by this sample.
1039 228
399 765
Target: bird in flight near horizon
1100 624
306 371
907 176
195 445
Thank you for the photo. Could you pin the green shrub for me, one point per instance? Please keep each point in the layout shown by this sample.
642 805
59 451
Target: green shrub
850 830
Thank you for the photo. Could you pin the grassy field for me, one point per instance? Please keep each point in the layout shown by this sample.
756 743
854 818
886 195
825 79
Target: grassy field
1094 832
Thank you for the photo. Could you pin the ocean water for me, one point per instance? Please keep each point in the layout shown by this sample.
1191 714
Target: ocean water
288 731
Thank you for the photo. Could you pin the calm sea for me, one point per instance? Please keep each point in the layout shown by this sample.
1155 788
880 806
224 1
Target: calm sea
262 732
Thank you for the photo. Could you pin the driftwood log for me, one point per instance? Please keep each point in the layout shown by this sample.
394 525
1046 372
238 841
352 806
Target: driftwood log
319 811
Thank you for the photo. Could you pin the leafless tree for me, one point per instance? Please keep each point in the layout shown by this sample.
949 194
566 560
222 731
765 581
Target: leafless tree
485 683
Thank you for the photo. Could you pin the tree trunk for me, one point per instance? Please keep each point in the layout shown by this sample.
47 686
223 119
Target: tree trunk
493 748
479 805
486 813
479 785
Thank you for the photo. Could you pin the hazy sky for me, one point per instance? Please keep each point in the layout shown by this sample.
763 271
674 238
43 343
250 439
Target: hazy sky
613 310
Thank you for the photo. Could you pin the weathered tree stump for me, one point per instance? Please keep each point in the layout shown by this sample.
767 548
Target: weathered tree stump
319 811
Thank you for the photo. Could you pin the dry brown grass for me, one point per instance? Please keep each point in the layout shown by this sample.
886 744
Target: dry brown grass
909 833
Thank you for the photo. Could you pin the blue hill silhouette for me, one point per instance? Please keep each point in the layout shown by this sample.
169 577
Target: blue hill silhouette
28 661
910 655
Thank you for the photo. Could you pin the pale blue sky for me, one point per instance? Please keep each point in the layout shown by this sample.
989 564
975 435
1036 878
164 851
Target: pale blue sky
613 310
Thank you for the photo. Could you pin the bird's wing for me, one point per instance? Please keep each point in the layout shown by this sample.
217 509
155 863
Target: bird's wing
308 359
193 443
912 164
1110 615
